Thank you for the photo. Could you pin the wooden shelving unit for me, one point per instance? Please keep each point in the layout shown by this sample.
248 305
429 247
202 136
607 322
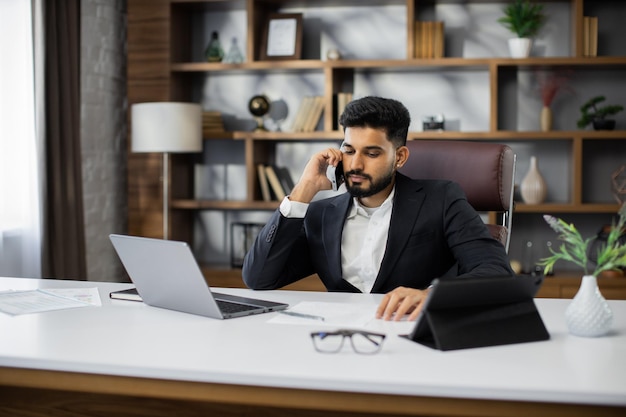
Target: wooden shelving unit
161 68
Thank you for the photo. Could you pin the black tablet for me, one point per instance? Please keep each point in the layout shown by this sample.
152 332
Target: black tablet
472 312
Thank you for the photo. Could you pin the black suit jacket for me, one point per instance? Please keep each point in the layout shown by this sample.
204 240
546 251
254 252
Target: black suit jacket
432 229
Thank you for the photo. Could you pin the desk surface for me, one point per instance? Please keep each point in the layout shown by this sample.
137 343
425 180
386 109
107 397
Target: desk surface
130 339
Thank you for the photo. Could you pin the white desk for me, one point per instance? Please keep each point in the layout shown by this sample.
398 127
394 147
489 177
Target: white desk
127 355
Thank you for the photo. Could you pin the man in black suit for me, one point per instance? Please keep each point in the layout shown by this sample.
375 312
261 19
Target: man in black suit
388 234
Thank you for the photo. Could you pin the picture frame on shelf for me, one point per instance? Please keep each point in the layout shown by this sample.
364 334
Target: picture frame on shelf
282 37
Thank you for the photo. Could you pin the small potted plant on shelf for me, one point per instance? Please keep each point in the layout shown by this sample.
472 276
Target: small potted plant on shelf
588 314
597 116
524 20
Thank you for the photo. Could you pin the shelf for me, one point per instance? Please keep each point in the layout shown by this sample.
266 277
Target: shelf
565 208
596 61
290 136
312 64
437 135
485 98
296 65
189 204
512 135
566 285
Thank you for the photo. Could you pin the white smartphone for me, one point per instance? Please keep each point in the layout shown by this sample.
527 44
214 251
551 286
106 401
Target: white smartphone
335 175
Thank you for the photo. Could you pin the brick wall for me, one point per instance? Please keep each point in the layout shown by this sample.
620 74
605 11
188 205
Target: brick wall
103 132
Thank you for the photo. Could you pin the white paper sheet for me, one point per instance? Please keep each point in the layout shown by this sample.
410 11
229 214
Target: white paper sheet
37 301
335 314
88 295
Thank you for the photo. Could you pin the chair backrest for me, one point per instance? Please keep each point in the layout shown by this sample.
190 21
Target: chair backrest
484 170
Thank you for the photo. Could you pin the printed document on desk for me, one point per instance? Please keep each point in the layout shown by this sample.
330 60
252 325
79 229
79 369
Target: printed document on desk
38 301
333 314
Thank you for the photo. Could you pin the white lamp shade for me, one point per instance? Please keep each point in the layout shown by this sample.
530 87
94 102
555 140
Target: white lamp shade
166 127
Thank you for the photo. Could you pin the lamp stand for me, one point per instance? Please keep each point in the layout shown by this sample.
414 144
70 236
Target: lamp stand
166 180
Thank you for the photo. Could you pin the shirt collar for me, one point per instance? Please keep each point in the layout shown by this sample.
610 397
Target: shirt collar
359 209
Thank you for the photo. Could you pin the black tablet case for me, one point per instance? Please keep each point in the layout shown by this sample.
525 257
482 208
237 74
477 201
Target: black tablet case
475 312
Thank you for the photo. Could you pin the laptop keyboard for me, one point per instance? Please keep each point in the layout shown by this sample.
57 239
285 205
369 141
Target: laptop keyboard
229 308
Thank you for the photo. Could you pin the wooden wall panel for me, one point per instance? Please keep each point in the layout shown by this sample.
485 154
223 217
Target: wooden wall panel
148 80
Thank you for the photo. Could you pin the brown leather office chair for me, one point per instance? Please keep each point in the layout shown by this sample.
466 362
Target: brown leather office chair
484 170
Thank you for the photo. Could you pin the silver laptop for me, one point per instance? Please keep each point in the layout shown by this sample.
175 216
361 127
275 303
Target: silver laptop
167 275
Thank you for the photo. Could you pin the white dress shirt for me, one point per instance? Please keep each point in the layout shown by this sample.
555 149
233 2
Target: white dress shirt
363 241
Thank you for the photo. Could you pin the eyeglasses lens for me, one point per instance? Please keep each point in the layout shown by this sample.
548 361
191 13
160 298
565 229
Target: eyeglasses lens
366 343
328 342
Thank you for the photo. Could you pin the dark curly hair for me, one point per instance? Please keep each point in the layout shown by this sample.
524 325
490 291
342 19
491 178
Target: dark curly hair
379 113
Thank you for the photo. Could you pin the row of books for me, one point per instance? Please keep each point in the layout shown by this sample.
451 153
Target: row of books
212 120
590 36
429 39
309 114
275 182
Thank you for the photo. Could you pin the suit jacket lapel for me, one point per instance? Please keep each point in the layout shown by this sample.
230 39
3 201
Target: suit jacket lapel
333 219
406 207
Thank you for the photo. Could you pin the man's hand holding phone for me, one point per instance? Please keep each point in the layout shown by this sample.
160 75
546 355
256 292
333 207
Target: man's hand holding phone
323 172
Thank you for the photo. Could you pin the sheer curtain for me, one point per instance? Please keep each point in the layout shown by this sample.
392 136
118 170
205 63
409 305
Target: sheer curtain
21 139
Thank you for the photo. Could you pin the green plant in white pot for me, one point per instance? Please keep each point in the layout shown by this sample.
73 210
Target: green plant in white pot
524 19
588 314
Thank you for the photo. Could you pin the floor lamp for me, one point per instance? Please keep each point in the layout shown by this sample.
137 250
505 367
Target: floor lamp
168 128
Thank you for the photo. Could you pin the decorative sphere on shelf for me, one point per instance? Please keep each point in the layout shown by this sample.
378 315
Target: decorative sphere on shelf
259 106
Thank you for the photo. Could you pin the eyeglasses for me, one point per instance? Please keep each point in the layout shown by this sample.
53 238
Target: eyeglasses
361 341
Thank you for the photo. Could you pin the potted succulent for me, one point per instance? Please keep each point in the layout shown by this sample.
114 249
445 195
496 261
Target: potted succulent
588 314
524 20
592 113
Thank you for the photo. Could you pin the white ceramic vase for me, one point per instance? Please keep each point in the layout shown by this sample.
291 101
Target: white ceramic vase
520 47
589 315
533 187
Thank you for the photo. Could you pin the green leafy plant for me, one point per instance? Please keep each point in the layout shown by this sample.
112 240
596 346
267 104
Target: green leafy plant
610 256
590 111
523 18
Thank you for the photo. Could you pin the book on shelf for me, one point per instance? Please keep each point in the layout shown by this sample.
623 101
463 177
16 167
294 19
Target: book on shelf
429 39
439 39
593 36
285 179
585 35
309 114
274 182
342 99
314 114
590 36
301 116
265 187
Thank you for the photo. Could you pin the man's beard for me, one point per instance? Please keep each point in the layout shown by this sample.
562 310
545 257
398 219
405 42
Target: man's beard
375 186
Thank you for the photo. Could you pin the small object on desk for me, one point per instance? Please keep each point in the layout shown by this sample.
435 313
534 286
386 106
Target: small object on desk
130 294
302 315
